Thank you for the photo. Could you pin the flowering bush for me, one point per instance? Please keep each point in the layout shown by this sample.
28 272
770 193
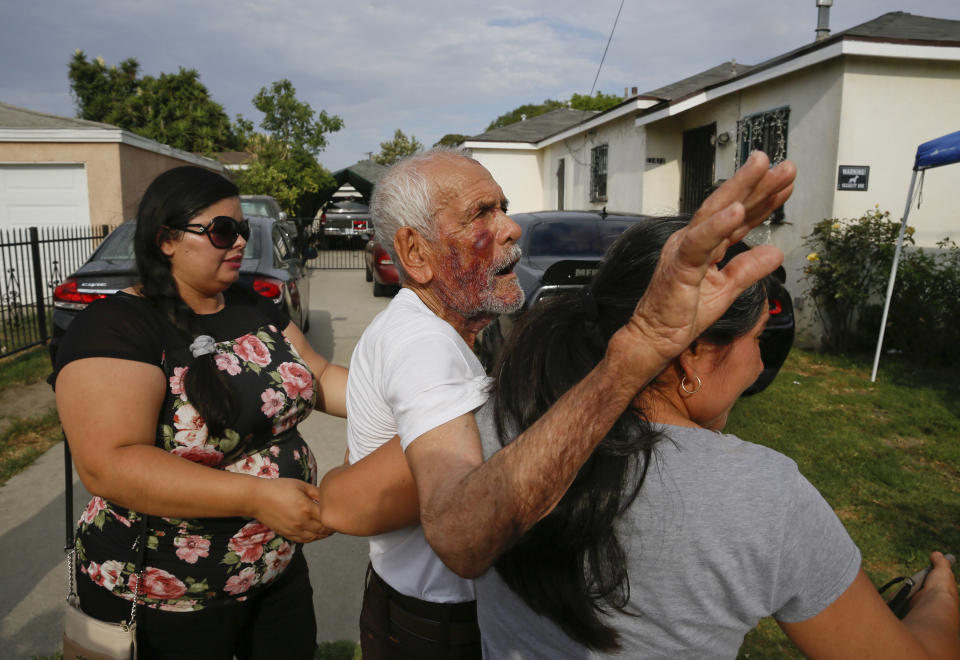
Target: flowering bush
847 270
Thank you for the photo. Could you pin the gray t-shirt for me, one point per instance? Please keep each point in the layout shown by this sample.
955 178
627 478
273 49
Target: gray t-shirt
723 533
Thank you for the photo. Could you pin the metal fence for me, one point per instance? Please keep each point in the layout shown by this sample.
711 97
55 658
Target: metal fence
34 260
333 252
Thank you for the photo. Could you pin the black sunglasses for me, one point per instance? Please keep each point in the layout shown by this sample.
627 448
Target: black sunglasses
222 231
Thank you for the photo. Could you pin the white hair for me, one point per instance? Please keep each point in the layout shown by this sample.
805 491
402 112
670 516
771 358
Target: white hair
403 197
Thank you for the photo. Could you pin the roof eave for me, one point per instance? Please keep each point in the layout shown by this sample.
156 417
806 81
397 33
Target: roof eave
635 104
848 45
105 136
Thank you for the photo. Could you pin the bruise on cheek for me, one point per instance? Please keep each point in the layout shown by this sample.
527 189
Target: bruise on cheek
482 242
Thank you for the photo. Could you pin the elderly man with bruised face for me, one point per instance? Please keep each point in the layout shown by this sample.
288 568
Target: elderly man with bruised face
417 483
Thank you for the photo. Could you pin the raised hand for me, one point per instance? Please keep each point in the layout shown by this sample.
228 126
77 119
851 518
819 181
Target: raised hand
688 292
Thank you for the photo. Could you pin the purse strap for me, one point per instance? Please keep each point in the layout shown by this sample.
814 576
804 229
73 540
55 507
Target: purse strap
139 544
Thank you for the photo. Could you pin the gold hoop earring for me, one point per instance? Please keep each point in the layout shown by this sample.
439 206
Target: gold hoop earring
683 385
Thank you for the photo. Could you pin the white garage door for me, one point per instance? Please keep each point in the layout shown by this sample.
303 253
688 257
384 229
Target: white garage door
39 195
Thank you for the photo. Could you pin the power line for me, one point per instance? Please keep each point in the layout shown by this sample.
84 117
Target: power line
609 39
571 151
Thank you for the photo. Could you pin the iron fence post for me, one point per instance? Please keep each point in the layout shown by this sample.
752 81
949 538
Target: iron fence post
38 283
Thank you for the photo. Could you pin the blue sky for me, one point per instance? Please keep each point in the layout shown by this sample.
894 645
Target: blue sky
428 67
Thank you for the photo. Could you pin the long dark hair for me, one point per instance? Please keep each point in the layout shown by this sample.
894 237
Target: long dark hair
172 200
571 566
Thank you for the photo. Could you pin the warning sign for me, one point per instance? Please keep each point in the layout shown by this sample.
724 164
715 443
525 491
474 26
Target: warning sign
853 177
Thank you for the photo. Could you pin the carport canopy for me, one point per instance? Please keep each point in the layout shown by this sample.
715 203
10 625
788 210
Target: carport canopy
362 175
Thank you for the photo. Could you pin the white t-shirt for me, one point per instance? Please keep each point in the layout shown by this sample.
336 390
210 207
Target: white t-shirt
409 373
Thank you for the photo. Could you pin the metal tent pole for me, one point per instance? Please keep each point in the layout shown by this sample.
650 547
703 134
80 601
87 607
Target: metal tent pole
893 277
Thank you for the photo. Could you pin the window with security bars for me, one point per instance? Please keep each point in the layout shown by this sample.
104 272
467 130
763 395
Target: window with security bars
598 174
766 131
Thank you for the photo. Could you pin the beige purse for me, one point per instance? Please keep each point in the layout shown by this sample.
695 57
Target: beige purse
86 637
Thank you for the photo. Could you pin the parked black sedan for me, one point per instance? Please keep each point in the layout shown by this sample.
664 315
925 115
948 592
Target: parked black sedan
271 266
561 251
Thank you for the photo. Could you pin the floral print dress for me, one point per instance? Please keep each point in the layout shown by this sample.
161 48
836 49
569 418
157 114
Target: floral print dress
192 562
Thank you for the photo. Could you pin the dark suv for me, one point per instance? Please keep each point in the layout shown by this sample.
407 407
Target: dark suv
561 251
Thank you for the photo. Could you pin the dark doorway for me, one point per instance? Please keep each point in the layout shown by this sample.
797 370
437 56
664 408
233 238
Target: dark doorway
697 167
561 169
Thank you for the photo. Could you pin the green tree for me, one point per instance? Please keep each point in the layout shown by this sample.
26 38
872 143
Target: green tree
528 110
174 108
286 165
451 140
291 123
598 102
399 147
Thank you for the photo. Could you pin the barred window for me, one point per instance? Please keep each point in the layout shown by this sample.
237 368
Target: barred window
598 174
766 131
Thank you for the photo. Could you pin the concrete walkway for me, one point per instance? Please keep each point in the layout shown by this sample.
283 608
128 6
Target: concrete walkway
32 519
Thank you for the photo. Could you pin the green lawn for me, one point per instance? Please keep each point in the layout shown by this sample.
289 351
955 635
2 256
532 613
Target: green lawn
23 440
885 455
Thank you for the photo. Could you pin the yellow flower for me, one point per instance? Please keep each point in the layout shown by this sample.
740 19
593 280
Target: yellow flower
835 225
813 256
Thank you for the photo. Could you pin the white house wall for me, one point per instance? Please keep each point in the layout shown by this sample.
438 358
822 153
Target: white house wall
518 172
625 158
889 108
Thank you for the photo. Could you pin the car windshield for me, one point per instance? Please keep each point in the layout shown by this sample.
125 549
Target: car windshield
355 207
262 208
578 240
118 245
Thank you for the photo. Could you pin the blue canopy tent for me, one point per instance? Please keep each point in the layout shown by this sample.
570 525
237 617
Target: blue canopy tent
942 151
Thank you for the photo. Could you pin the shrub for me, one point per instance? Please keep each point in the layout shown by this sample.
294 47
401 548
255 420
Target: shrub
924 317
847 270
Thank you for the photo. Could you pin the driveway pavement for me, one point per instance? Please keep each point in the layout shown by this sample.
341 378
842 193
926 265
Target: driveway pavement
32 519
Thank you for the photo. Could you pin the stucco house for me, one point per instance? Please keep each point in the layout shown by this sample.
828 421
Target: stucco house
849 109
66 171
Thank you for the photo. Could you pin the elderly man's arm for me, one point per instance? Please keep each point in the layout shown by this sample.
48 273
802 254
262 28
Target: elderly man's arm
470 510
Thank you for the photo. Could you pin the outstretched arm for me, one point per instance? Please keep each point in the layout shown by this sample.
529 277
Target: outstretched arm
470 510
860 625
373 496
331 378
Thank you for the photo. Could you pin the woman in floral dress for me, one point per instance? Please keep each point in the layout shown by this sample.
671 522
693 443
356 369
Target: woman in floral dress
180 398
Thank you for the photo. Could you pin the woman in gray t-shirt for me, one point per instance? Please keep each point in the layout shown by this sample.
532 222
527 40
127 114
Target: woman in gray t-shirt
675 540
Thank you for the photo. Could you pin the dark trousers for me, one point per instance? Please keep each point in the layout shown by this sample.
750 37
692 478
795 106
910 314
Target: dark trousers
277 622
398 627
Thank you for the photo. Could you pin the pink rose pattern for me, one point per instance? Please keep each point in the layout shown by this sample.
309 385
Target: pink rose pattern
247 558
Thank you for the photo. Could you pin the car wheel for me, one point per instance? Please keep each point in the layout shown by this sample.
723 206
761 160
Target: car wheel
379 290
368 274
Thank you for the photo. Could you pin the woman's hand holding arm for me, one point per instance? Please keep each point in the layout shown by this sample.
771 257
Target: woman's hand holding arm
331 378
109 410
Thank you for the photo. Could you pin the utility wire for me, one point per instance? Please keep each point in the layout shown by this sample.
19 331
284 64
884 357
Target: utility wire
609 39
570 150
